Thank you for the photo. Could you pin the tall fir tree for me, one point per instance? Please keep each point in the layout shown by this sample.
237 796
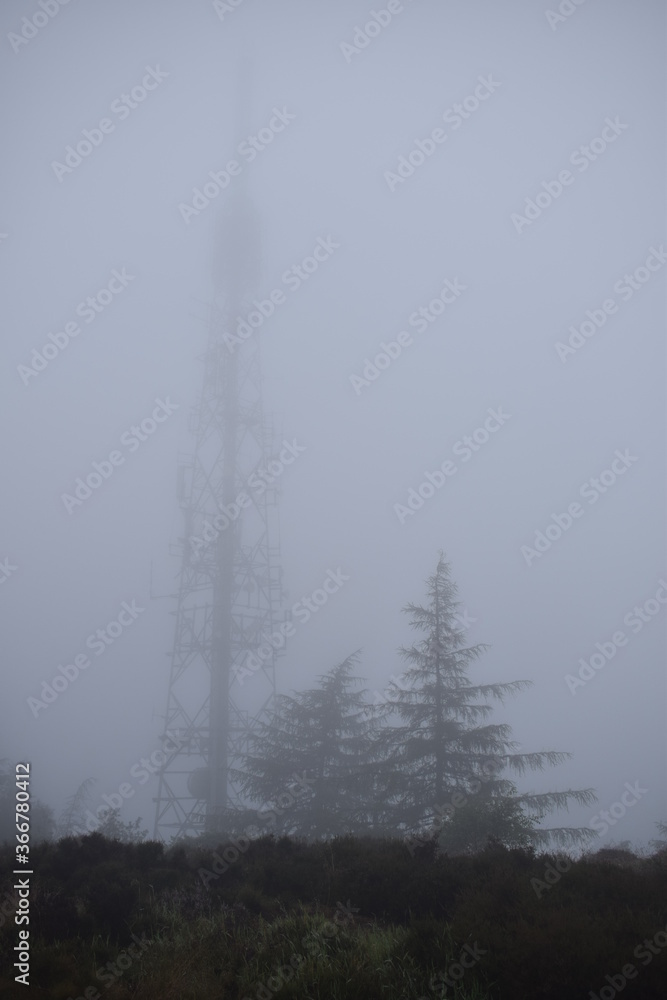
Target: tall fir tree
444 753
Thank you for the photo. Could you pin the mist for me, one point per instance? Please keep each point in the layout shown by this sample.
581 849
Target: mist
474 366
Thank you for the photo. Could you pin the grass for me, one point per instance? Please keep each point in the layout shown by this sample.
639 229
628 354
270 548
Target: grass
347 920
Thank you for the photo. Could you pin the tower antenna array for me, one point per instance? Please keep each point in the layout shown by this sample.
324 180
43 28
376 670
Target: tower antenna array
230 587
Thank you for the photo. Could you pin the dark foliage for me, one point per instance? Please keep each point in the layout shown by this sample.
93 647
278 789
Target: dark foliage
548 927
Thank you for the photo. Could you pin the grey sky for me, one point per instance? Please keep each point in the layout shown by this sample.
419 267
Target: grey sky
555 88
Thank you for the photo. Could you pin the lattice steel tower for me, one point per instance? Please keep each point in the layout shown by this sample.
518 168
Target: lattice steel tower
230 579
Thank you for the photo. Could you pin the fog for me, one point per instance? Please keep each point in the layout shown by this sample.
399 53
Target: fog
535 214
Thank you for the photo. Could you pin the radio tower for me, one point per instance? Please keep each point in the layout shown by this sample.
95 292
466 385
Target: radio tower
230 580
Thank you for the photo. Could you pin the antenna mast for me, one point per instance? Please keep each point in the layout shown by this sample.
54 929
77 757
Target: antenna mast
230 587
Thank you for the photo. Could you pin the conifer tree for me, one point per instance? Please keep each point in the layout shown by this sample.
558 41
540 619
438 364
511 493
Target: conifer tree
443 751
310 762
